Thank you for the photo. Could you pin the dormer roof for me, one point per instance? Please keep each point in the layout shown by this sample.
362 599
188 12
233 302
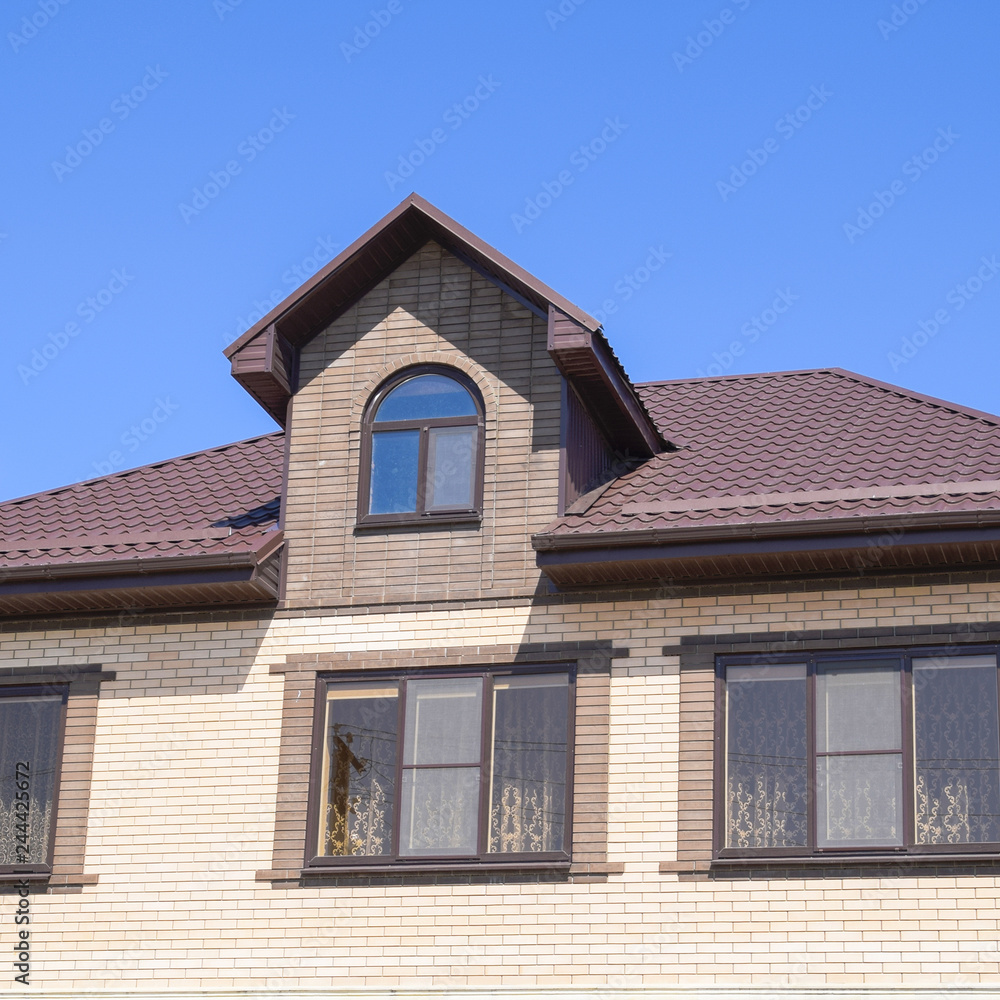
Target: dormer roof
264 359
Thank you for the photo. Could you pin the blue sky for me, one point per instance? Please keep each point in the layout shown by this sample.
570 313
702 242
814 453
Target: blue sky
734 187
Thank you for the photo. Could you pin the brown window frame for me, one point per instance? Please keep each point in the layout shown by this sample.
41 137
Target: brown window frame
909 849
79 685
60 691
483 858
421 516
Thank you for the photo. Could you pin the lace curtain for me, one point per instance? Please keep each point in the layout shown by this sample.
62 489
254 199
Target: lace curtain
859 800
357 815
957 791
859 754
860 761
528 800
29 733
359 773
767 758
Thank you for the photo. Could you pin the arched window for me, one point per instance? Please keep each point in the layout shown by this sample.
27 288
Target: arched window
422 448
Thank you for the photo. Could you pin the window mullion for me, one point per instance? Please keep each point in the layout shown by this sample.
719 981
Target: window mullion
811 745
400 754
485 764
909 755
422 469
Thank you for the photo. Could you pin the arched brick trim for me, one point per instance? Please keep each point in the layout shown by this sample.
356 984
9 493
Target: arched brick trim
445 358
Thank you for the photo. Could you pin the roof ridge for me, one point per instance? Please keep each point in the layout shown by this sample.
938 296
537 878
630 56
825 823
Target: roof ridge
727 378
890 387
899 390
141 468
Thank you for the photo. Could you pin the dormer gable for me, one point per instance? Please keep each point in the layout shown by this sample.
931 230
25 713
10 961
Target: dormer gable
265 360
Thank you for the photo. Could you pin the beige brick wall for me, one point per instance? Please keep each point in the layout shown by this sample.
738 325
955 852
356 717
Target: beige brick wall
182 811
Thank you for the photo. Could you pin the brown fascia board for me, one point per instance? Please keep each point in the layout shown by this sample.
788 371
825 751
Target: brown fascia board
266 368
124 579
784 556
256 356
587 555
587 362
722 534
141 573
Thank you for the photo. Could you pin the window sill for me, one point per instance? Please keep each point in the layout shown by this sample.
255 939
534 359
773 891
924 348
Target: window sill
833 864
46 879
434 868
490 869
13 878
409 521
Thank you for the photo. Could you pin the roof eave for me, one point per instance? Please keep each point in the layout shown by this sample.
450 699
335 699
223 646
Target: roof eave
860 526
585 360
853 545
232 577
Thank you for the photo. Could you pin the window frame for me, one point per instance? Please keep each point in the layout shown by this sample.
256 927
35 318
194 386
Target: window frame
483 859
451 515
903 656
60 691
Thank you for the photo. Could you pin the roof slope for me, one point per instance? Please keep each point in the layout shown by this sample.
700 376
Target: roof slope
784 449
220 501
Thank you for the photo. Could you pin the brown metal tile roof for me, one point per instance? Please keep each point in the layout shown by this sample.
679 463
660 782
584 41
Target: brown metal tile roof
220 502
783 451
792 454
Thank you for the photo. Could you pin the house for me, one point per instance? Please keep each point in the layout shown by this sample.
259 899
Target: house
492 671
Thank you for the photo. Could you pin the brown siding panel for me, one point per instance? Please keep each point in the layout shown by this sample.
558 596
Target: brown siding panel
696 759
589 460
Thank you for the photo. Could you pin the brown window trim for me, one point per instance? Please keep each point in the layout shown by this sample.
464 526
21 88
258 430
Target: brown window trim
35 691
420 516
592 661
483 858
699 827
80 686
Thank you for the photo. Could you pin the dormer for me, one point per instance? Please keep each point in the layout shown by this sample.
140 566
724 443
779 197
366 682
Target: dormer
441 405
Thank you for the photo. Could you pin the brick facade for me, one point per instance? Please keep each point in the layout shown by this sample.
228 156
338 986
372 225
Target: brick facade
184 798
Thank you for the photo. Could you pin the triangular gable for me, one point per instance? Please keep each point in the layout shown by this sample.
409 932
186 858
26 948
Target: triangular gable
264 359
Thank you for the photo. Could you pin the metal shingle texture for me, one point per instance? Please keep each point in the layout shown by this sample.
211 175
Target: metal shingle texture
220 500
746 442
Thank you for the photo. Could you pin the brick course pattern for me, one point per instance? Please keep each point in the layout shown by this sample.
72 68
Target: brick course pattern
431 309
183 805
